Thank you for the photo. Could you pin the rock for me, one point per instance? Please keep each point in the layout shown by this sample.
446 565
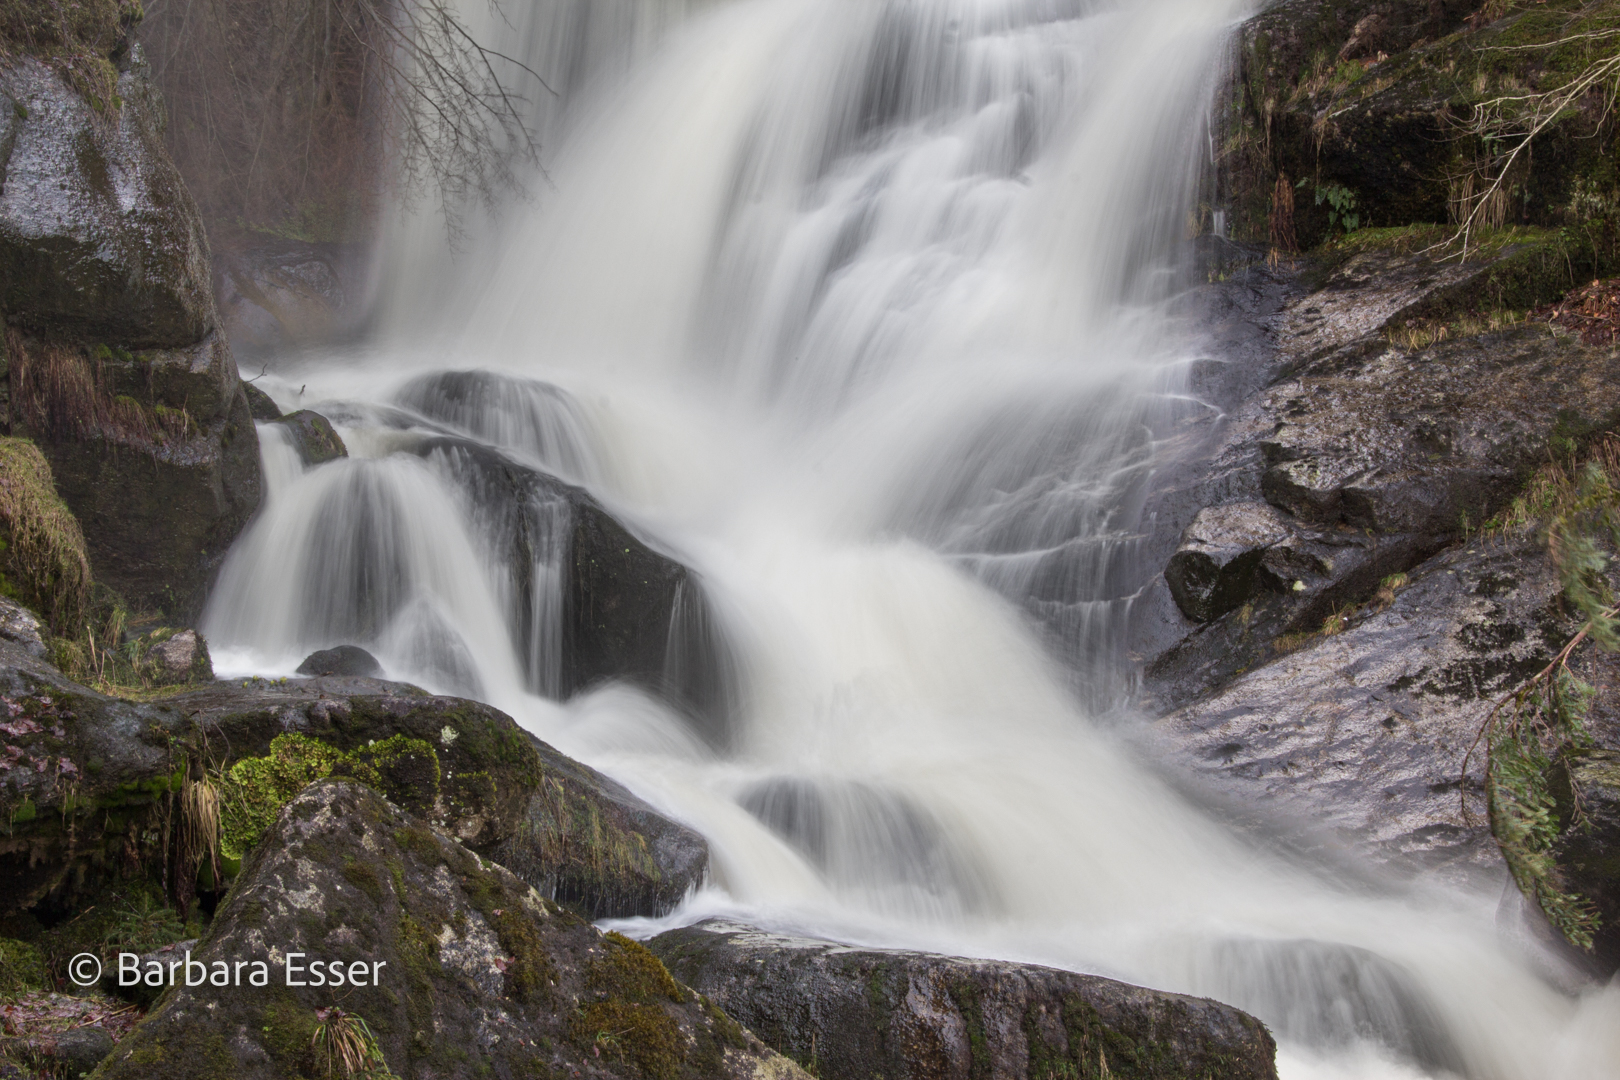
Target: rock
288 293
74 1052
158 517
1587 852
313 437
99 238
1215 569
1360 734
482 976
629 611
858 1014
1384 129
21 628
1380 449
589 844
140 992
79 770
260 405
343 660
182 657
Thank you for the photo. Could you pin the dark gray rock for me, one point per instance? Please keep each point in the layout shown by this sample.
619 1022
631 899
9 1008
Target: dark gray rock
1217 566
483 976
630 611
76 1051
860 1014
343 660
99 238
260 404
588 843
158 517
313 437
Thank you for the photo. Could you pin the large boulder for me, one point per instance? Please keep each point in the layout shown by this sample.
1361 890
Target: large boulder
629 611
99 239
113 362
86 780
862 1014
457 968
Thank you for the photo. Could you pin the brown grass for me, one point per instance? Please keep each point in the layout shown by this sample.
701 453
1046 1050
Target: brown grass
61 392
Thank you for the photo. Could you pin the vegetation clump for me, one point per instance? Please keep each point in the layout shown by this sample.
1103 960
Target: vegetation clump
628 1018
253 790
1543 722
43 563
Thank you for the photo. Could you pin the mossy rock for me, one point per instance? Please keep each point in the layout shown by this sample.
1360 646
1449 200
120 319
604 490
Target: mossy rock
313 437
478 974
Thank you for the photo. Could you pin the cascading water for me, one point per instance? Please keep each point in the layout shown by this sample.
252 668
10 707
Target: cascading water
861 309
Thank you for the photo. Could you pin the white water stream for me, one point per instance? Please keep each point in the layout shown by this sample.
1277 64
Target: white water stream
859 308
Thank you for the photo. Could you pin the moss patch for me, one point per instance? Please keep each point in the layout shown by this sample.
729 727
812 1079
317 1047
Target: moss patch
43 564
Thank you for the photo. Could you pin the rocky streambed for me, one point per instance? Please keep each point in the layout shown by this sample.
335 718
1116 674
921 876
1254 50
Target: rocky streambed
1347 566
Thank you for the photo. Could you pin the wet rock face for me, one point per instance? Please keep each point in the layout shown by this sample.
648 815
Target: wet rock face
859 1014
483 976
1362 732
98 236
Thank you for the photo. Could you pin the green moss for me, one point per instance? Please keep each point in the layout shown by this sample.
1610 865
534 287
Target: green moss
285 1032
43 561
364 878
254 790
22 968
643 1034
629 971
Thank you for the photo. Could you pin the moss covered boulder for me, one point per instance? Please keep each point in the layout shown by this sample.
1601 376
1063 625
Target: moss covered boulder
576 835
861 1014
1364 109
456 967
313 437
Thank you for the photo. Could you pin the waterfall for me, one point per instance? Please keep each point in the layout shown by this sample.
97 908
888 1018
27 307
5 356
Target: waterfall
862 310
